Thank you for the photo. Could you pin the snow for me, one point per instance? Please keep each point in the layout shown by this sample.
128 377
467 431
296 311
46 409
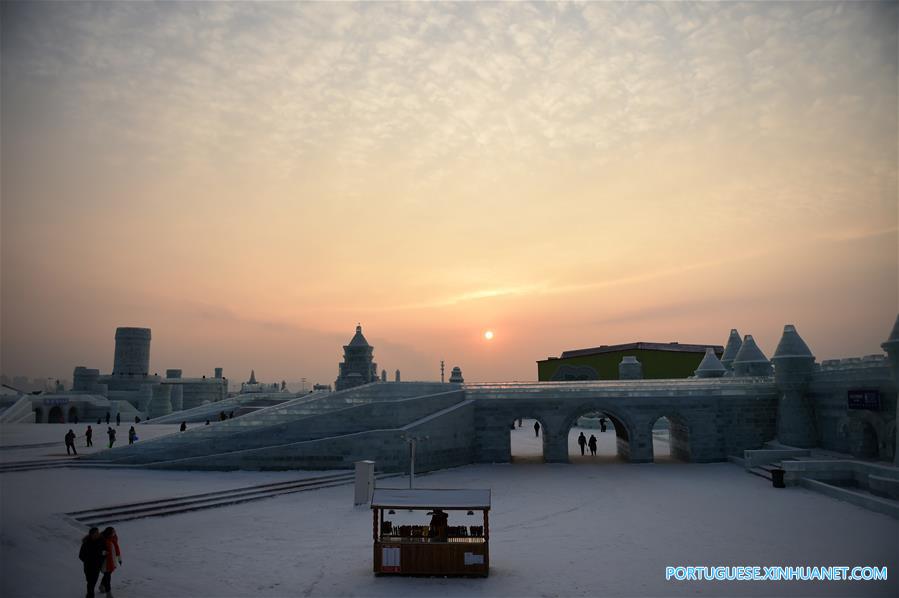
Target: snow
608 528
41 442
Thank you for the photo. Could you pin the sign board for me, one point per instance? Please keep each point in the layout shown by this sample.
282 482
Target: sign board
55 401
390 559
864 399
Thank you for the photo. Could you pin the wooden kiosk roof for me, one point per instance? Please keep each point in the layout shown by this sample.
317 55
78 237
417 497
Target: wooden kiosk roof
398 498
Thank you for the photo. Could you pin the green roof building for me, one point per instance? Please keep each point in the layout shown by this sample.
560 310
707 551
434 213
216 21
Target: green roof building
656 360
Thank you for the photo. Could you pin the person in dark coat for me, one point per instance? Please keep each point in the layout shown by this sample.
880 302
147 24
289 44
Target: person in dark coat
111 433
88 435
183 426
592 444
75 418
602 424
93 548
70 442
537 429
107 418
582 442
118 419
131 435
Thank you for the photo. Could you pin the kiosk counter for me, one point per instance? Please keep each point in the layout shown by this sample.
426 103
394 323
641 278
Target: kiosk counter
435 548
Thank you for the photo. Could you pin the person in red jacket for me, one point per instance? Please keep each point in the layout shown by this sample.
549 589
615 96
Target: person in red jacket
113 556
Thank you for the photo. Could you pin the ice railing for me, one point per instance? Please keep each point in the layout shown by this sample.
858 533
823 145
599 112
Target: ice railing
853 363
627 387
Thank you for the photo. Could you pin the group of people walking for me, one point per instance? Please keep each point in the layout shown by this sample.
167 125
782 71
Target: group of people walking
100 553
89 436
583 442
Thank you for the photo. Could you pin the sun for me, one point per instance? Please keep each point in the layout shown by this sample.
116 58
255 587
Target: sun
488 335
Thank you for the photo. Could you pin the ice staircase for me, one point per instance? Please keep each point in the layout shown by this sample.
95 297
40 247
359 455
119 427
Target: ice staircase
302 419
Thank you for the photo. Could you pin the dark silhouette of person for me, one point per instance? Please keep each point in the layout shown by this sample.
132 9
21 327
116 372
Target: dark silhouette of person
131 435
231 415
93 547
136 419
222 416
582 442
602 424
592 444
537 429
75 418
99 421
439 520
118 419
111 433
519 422
70 442
107 418
183 426
88 435
207 422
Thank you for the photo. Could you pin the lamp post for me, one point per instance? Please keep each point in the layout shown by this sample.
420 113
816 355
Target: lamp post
412 441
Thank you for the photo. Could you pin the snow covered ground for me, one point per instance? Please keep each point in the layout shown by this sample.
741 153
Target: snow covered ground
36 442
591 529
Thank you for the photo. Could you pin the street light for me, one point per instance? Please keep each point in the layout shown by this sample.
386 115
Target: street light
412 440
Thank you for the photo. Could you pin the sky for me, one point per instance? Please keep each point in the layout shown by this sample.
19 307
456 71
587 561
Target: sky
251 180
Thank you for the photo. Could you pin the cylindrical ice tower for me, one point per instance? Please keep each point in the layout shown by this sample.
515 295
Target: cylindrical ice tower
132 352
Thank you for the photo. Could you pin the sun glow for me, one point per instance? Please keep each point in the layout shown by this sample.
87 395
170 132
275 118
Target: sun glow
488 335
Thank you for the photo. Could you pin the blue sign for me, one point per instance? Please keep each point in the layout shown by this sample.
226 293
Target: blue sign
55 401
864 399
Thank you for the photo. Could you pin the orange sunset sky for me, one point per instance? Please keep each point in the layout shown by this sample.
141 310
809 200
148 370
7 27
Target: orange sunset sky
250 180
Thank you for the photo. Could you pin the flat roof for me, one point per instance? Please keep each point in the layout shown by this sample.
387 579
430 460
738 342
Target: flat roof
430 499
678 347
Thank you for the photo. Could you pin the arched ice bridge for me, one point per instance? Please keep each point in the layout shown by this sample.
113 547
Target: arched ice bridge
461 424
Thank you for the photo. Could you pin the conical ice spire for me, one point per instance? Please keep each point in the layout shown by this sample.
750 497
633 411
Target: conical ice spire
894 335
734 342
791 345
750 360
252 377
358 340
710 366
749 352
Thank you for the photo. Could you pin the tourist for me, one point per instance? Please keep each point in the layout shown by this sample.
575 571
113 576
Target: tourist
602 424
582 442
222 416
183 426
231 415
439 521
132 435
207 422
111 433
91 554
592 444
136 419
70 442
75 418
536 428
88 435
99 421
113 555
118 419
107 418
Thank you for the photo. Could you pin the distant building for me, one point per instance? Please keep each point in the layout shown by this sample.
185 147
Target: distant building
657 360
456 376
251 386
358 366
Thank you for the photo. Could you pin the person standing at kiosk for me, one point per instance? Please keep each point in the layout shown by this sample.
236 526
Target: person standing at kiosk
439 524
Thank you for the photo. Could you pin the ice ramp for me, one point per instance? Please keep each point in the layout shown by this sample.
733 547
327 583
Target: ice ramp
445 439
241 405
342 418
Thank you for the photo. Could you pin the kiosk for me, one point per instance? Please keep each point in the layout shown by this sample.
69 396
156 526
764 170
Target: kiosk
441 547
